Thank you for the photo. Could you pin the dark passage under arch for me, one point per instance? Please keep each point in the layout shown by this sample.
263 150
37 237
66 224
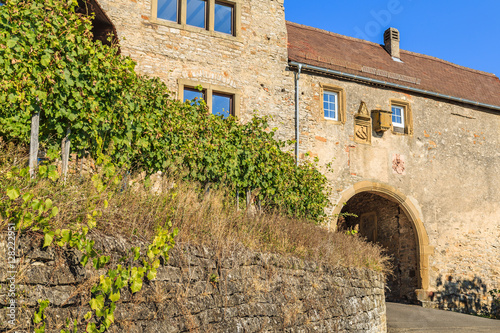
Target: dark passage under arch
383 221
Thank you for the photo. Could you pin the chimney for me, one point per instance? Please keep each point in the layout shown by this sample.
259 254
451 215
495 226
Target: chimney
391 41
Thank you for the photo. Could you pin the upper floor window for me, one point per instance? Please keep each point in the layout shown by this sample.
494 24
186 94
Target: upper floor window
211 15
168 10
330 105
402 119
224 17
196 13
398 116
333 99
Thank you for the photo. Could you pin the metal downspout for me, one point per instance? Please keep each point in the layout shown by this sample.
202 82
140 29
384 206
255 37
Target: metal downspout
392 85
297 119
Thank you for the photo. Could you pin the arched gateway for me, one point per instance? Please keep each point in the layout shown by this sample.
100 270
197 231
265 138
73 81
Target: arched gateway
387 216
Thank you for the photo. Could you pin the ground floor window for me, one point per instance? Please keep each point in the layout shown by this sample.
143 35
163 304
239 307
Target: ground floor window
192 94
222 104
221 101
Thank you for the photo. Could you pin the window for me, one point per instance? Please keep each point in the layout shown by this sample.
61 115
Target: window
216 17
221 101
333 99
398 116
194 95
168 10
222 105
196 13
223 18
330 105
401 117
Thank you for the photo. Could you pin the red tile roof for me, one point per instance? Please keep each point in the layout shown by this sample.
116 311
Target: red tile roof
354 56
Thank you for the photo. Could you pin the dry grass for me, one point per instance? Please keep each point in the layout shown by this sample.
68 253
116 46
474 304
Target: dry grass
210 219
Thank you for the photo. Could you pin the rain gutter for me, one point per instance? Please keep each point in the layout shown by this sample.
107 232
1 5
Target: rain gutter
365 79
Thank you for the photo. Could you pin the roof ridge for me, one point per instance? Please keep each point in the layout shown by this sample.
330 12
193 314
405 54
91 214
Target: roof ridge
380 45
421 55
332 33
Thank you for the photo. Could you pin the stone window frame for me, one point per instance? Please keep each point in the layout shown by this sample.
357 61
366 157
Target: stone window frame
408 117
209 30
341 101
209 90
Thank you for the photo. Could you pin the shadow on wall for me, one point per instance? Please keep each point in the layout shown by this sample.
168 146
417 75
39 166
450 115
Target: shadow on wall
466 296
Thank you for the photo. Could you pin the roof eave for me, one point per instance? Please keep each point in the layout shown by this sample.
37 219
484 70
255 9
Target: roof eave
368 80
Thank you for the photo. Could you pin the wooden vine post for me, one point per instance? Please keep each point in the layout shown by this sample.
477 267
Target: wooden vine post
249 202
65 150
35 128
237 199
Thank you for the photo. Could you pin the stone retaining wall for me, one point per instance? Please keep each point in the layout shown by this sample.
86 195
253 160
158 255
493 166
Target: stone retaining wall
200 290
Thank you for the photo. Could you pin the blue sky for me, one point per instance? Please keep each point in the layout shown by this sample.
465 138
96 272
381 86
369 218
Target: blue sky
466 33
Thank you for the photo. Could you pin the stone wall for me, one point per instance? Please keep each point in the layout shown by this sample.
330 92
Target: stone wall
254 63
200 290
447 168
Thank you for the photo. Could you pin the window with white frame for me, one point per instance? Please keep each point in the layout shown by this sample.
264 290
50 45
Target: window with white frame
331 105
402 116
398 116
211 15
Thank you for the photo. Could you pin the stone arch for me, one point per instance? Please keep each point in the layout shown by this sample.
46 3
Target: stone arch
412 210
102 26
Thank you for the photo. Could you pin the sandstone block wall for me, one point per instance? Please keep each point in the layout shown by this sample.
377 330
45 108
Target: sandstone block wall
253 63
451 167
448 168
200 290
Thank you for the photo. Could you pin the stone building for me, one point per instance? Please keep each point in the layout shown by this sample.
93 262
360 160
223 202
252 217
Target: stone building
413 141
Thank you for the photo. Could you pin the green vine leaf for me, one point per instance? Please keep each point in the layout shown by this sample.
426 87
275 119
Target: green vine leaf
136 285
84 260
114 297
53 175
54 212
48 238
97 303
152 274
13 192
88 315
